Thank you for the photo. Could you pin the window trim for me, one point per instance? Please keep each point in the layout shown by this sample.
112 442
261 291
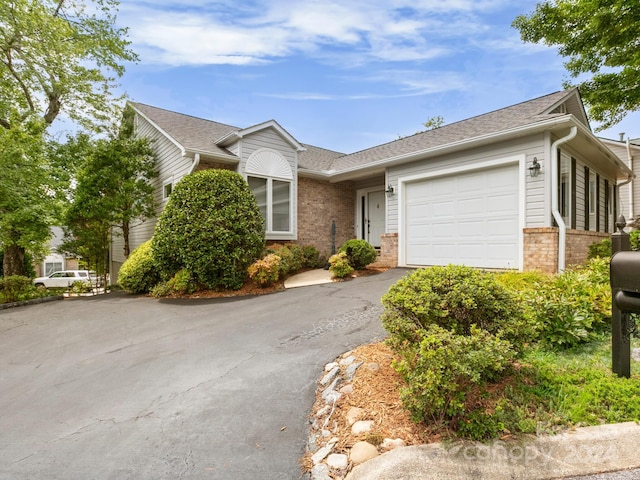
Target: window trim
270 233
165 184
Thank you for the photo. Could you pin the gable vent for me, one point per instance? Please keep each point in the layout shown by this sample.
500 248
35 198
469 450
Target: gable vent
269 163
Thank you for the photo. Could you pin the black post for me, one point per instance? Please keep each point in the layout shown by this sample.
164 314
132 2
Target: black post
620 338
333 237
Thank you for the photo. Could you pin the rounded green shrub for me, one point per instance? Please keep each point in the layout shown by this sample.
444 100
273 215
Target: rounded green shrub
138 273
211 226
455 298
311 256
339 265
360 253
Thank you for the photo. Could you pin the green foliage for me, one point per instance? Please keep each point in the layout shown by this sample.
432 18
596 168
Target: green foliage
360 253
634 239
16 288
211 226
311 256
138 274
266 271
291 257
182 283
339 265
455 298
597 38
80 286
443 368
576 305
600 249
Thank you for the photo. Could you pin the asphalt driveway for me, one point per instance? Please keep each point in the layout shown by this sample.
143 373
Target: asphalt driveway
120 387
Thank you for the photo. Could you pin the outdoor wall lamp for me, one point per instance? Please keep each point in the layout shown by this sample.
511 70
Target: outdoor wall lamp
389 190
534 169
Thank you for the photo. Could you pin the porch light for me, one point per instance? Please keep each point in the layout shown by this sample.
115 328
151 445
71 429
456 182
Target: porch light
534 169
389 190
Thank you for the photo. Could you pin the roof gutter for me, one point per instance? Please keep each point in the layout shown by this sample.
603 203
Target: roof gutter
195 163
562 227
451 147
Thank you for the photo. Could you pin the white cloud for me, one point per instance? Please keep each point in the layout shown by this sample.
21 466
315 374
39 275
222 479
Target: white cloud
190 32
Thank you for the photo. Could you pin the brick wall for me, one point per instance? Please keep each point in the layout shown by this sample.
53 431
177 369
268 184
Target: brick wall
388 251
541 248
320 203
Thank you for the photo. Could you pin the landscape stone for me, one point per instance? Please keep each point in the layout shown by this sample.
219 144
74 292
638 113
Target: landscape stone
329 393
320 472
354 414
324 451
323 411
351 371
345 362
333 373
391 443
330 366
338 461
347 389
361 452
373 366
362 426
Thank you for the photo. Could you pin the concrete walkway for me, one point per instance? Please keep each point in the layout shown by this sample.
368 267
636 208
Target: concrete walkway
311 277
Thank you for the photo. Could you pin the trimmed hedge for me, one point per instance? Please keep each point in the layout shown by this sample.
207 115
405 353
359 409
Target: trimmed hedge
138 274
360 253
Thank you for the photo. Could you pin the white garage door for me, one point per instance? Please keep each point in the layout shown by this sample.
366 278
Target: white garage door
470 218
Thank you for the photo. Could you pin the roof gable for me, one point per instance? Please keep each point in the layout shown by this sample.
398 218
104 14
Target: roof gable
233 136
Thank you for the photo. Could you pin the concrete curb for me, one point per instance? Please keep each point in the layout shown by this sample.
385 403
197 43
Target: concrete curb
34 301
583 451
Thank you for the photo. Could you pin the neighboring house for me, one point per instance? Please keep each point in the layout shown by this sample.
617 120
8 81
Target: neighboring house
629 152
525 187
55 261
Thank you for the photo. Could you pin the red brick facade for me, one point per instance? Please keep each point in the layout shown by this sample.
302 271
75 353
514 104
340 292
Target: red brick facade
319 204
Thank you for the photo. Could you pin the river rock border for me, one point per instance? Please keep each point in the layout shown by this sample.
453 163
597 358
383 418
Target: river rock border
335 383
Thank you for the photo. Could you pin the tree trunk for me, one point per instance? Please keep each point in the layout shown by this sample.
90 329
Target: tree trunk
125 237
13 262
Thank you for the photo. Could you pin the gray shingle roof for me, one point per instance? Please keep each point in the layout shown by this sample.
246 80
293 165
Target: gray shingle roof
518 115
190 132
200 134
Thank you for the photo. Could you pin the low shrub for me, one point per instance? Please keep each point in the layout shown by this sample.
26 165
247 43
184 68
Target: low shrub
360 253
291 257
81 286
634 239
311 256
600 249
138 273
183 282
17 288
444 367
266 271
339 265
455 298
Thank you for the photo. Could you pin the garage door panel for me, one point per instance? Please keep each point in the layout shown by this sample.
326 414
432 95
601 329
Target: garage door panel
470 218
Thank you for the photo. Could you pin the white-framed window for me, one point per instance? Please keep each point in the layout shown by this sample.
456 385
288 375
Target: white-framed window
274 200
50 267
565 189
270 178
167 188
593 189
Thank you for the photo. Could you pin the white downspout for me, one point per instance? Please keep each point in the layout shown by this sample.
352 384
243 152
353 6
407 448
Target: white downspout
630 157
562 227
195 163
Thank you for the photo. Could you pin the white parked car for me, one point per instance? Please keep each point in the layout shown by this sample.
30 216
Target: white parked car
63 279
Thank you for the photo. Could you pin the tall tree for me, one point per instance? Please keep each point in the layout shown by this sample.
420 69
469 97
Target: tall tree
600 39
56 56
113 189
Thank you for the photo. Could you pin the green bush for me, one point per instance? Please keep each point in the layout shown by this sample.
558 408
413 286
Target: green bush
444 367
634 239
291 257
456 298
266 271
311 256
575 305
211 226
339 265
360 253
600 249
17 288
138 273
180 284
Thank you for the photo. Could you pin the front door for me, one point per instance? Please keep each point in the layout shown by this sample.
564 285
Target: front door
374 217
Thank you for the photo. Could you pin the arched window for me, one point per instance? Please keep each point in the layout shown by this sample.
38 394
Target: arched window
270 178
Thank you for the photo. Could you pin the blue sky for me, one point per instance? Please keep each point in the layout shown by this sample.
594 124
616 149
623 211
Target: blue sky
340 75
